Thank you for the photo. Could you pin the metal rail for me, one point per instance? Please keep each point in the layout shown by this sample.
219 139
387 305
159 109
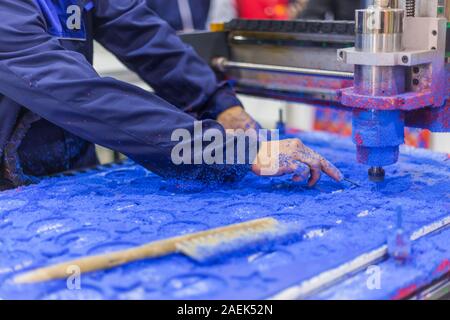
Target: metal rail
222 64
330 277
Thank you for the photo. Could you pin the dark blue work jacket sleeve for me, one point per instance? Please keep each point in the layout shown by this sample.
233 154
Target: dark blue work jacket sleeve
62 87
170 11
149 46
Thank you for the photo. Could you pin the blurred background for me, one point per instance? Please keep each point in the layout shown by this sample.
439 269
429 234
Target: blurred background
197 15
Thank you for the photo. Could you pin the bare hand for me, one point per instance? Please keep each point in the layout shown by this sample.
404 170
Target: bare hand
278 158
237 118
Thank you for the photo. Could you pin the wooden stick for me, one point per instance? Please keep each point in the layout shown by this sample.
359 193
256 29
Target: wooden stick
151 250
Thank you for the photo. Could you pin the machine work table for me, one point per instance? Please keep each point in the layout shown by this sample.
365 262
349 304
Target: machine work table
123 205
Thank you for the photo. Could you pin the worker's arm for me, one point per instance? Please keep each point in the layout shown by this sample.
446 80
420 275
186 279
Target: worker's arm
149 46
62 87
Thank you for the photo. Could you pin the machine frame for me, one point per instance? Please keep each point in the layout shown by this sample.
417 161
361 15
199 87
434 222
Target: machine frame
389 67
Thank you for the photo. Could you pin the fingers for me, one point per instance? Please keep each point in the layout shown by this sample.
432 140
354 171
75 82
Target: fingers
301 172
327 167
316 173
298 160
331 170
311 159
